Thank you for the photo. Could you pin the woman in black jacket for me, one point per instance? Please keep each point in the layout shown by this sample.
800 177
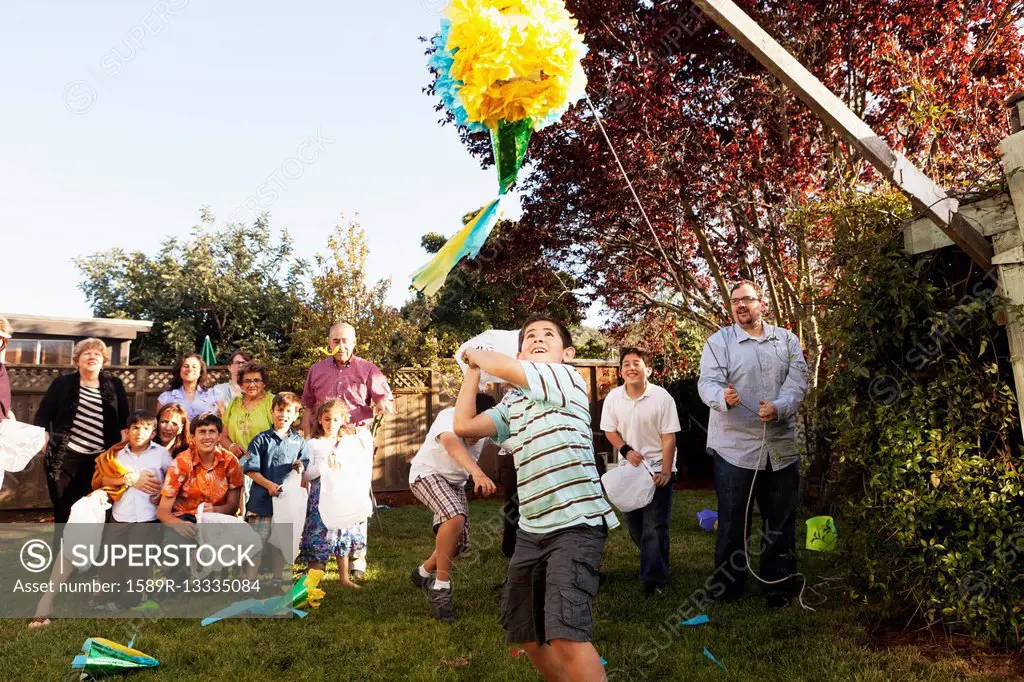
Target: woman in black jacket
84 414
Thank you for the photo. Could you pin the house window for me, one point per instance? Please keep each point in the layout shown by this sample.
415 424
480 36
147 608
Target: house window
48 352
21 352
55 353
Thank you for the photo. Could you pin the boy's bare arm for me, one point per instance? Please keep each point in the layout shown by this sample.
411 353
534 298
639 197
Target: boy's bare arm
457 451
469 424
500 365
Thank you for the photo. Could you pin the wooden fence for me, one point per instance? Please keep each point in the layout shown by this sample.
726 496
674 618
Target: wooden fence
419 396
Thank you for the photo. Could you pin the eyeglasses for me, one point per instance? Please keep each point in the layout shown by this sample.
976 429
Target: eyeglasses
252 382
746 300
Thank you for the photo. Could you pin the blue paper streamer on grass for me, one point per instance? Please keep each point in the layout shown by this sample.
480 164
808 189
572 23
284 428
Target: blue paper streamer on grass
696 620
254 607
711 657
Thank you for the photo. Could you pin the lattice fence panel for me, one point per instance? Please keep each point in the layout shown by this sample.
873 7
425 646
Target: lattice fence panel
411 380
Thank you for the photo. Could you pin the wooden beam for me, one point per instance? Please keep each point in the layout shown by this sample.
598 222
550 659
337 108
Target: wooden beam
990 216
926 197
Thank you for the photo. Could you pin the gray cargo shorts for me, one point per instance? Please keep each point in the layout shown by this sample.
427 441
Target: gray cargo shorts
552 580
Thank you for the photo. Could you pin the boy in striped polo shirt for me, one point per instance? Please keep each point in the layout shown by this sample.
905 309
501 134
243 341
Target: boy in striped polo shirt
544 421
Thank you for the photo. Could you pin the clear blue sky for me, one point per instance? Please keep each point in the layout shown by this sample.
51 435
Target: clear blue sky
114 136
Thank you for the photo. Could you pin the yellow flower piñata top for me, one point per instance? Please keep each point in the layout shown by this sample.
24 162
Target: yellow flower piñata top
517 59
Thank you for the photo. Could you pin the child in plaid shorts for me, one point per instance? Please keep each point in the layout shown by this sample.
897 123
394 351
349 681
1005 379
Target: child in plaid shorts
438 477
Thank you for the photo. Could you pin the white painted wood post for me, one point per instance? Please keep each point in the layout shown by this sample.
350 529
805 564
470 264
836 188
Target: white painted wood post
1009 258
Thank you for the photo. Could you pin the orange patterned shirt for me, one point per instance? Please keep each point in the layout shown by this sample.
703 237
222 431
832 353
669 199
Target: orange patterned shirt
191 484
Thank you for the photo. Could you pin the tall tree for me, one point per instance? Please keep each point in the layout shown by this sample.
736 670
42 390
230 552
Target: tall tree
233 283
338 291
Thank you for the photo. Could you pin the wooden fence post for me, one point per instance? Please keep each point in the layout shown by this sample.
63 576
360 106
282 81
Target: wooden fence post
141 379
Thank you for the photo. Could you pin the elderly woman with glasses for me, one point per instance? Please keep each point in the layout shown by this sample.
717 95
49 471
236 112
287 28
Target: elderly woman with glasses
84 414
250 413
247 416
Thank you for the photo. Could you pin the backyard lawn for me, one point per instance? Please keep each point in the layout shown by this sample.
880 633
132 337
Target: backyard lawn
383 632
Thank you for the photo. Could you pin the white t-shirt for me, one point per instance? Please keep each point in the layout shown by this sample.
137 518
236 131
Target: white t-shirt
433 458
642 422
135 506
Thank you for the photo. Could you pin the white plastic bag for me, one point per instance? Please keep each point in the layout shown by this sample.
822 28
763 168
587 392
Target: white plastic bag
85 527
218 530
19 443
345 479
500 340
289 515
629 487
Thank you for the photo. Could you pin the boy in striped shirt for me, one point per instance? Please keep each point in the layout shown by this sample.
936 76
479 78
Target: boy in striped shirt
544 421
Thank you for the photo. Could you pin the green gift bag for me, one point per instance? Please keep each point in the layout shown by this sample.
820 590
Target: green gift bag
821 534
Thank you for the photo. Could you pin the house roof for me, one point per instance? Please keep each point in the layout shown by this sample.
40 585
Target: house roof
77 326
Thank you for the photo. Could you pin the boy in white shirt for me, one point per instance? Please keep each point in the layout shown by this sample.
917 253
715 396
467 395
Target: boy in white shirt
132 473
437 478
640 421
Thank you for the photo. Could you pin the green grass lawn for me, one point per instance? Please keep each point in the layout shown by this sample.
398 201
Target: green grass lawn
383 632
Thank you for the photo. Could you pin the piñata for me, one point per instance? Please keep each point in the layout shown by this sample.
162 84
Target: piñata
509 67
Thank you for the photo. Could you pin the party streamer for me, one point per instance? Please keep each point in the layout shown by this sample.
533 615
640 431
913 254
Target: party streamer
509 67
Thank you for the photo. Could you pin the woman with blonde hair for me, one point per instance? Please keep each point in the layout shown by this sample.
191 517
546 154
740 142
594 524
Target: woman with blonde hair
84 414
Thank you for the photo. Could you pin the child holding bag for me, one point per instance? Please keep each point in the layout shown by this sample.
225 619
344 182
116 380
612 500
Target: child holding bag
331 454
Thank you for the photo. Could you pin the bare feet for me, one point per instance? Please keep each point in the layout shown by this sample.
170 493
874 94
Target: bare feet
39 623
347 582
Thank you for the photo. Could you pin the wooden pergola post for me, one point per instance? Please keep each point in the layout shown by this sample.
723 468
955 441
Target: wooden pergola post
1009 258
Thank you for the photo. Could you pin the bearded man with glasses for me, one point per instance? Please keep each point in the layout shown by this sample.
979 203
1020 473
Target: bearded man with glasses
753 377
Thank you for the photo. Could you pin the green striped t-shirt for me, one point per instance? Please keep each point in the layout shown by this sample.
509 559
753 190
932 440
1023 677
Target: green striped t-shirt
546 427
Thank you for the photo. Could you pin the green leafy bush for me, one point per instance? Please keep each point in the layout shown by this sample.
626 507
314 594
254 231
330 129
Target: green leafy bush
922 427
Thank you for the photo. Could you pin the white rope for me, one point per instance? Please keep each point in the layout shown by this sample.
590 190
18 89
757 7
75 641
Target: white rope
764 432
746 529
625 176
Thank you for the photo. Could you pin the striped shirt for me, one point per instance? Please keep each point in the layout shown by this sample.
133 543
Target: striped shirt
87 428
546 427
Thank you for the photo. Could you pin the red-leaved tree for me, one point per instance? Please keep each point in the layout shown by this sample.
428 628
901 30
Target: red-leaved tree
721 154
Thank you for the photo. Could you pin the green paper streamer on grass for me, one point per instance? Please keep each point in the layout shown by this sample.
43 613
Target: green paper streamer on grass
296 598
104 657
509 142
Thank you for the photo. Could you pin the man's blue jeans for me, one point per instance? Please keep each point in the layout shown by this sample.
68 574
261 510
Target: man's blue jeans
648 527
776 493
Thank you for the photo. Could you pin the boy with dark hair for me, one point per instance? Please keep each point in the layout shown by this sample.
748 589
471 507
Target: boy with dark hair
544 421
271 456
640 421
131 473
437 478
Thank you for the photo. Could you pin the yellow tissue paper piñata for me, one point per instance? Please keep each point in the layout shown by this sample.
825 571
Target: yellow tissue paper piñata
517 59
